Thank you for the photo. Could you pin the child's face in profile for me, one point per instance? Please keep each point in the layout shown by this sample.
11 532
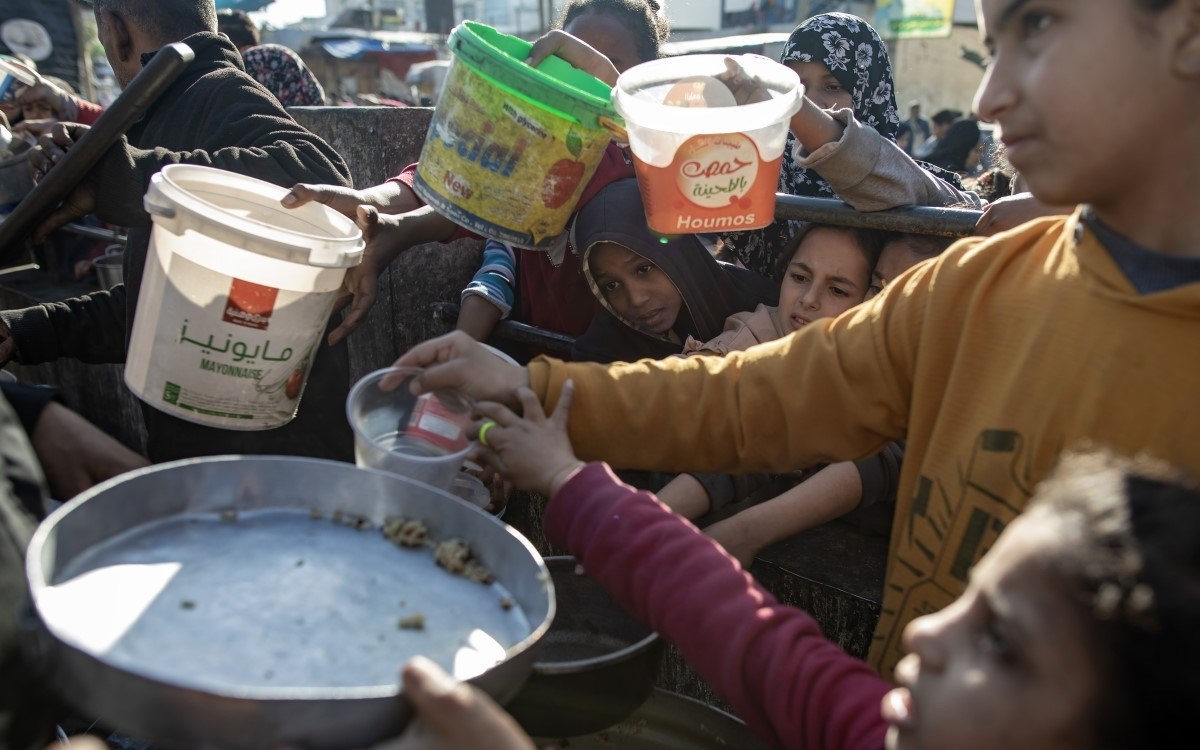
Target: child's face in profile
638 290
828 274
1013 663
822 87
1066 104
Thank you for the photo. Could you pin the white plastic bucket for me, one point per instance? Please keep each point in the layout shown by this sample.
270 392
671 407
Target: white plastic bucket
709 171
234 298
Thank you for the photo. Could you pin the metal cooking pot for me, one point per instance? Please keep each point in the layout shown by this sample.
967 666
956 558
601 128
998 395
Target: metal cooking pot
219 602
666 721
110 269
597 664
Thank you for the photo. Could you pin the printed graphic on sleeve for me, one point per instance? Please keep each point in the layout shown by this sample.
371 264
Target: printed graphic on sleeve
947 530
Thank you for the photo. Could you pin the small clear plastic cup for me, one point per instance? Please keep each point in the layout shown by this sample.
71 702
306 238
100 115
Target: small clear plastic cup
420 437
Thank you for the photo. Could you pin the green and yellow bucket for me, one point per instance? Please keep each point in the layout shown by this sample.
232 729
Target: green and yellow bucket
511 147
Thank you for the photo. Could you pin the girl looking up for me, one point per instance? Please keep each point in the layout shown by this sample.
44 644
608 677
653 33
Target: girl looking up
546 288
829 272
655 292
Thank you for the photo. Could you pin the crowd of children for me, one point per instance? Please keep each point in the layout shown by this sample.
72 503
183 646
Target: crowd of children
1029 600
990 359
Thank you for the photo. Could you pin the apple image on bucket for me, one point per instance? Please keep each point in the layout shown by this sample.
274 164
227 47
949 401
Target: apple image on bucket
294 385
562 180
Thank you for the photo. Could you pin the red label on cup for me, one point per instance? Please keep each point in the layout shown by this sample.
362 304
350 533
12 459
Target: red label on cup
715 183
432 422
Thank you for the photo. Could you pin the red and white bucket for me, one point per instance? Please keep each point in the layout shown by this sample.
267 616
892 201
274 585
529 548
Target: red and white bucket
709 171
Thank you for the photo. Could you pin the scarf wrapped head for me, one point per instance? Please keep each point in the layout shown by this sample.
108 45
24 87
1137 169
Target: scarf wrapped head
858 58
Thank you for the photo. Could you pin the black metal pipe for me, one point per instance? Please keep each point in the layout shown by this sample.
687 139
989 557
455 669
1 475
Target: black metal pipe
511 330
96 233
943 222
58 183
523 333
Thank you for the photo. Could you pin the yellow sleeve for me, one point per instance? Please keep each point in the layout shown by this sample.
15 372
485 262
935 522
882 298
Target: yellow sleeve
836 390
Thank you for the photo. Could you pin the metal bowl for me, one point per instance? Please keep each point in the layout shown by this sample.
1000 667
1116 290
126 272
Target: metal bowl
597 665
109 269
216 603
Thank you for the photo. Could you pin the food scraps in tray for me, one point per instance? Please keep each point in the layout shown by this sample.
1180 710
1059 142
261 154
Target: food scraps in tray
412 622
405 532
452 554
455 556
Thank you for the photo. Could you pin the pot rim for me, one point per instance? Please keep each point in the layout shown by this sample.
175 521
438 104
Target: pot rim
595 662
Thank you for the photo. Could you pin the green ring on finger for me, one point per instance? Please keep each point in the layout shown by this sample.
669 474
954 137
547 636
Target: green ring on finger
483 431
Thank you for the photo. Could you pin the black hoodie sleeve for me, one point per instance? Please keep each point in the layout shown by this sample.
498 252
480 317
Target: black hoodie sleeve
880 475
215 115
90 328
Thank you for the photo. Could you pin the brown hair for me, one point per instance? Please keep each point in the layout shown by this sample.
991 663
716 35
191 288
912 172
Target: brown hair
870 241
1132 556
641 17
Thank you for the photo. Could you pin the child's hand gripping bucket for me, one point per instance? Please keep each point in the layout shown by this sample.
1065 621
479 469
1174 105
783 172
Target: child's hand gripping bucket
715 170
235 297
511 147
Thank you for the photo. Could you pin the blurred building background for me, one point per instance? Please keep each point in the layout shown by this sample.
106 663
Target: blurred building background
386 51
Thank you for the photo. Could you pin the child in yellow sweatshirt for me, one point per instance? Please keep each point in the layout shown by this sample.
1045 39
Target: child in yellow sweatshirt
991 359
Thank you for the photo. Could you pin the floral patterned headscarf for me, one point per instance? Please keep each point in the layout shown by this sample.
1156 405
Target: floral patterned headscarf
858 58
284 74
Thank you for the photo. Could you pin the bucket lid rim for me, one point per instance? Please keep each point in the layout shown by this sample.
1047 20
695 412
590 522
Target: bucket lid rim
593 105
716 119
260 237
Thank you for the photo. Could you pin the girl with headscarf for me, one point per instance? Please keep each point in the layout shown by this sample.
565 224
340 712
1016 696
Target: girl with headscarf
655 292
842 142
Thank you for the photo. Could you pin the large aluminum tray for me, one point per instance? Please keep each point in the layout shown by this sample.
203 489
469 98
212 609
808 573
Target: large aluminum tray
216 603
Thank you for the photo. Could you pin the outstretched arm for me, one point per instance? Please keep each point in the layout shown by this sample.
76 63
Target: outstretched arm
793 687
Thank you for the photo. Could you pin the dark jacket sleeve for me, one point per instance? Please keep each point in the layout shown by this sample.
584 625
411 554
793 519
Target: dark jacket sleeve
599 340
727 489
90 328
880 475
28 401
256 137
26 713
